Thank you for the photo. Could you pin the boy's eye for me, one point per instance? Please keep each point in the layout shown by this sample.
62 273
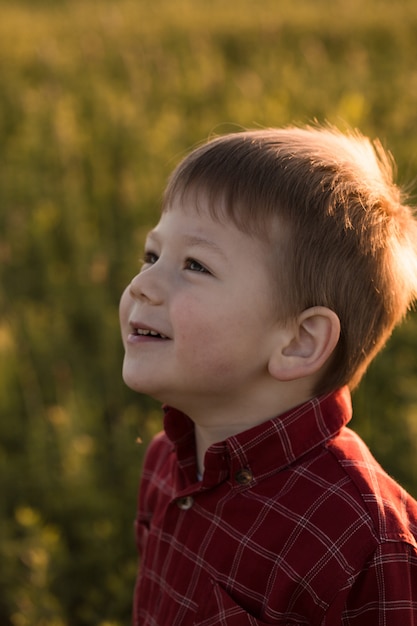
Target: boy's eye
149 258
195 266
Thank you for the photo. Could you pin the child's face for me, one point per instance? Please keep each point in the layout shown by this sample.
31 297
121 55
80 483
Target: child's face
198 319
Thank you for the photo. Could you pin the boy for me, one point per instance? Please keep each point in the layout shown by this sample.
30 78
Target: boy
280 265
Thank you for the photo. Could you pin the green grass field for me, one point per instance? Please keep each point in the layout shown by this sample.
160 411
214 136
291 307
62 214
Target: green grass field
98 102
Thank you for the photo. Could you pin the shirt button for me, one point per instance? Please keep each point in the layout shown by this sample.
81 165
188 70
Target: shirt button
244 476
185 503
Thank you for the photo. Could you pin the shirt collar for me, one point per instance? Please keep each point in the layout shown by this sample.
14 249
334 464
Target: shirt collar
263 449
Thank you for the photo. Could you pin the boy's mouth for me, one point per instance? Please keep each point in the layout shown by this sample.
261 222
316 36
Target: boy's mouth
145 332
141 330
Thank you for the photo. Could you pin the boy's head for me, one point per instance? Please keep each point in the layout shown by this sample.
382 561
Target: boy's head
327 206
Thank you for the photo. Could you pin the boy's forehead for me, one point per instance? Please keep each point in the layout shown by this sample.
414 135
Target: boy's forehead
194 213
197 199
198 202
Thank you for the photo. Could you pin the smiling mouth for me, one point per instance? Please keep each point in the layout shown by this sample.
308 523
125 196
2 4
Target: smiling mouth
143 332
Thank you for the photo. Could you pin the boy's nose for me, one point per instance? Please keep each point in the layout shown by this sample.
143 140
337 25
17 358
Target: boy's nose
146 286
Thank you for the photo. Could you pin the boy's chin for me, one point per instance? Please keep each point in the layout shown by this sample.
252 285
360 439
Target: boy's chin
135 386
131 381
139 386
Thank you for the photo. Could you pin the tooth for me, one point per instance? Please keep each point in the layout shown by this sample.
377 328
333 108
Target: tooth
152 333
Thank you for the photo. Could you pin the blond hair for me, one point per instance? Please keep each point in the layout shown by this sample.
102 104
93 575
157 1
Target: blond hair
346 241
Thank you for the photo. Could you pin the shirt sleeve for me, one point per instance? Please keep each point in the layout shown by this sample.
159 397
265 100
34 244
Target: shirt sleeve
385 592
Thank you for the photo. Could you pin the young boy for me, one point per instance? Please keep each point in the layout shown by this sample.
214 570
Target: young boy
280 265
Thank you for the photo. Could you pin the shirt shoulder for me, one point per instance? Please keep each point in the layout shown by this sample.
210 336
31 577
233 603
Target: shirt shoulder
391 509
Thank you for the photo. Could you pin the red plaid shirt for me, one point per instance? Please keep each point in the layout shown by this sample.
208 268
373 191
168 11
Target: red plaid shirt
294 522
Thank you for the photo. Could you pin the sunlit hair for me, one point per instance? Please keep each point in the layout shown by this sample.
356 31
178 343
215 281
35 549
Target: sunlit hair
344 239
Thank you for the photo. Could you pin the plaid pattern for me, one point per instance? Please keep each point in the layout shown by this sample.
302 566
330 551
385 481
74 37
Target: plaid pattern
294 523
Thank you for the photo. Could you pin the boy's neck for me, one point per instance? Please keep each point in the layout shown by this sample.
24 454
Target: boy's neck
206 437
211 429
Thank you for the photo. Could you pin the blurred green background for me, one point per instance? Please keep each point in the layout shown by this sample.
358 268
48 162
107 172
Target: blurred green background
98 102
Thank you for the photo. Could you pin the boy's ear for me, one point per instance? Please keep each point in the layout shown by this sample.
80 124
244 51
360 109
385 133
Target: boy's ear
305 345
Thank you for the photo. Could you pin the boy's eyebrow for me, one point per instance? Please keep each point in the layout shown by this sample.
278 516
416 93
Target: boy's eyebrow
196 240
192 240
